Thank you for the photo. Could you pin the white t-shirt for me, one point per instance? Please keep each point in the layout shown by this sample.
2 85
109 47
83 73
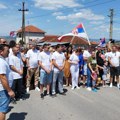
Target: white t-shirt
16 61
74 58
45 58
59 58
107 55
86 54
5 69
10 54
115 58
33 57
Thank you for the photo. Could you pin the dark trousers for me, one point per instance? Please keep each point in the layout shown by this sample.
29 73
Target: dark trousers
17 87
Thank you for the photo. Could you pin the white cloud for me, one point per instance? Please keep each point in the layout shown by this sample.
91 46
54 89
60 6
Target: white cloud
96 22
86 14
2 6
57 13
55 4
116 29
102 29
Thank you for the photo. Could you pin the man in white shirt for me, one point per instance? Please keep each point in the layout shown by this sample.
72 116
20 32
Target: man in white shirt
86 56
107 54
5 81
113 59
45 63
32 64
16 66
58 58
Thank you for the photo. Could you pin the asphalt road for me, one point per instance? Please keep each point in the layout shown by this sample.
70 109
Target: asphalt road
76 105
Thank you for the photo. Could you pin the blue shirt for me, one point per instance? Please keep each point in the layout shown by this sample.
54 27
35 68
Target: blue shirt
81 61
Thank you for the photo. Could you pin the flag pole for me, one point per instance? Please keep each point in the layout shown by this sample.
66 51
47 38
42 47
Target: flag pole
72 39
86 36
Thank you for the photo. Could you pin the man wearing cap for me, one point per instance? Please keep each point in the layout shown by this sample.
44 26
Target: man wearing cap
32 64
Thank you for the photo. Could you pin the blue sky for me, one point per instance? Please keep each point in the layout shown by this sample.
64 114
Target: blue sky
59 17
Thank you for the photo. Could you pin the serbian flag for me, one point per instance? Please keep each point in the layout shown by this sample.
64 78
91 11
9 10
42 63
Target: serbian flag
102 43
78 31
13 33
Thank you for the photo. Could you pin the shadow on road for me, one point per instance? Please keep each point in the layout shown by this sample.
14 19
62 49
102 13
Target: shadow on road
10 108
65 90
26 96
17 116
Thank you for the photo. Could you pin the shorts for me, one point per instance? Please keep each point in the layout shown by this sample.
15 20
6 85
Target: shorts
45 78
114 71
104 77
85 69
4 101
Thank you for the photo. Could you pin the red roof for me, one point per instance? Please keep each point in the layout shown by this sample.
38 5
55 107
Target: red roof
94 43
50 38
54 38
33 29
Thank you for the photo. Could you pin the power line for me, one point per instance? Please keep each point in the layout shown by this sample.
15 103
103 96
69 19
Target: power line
69 9
111 22
23 10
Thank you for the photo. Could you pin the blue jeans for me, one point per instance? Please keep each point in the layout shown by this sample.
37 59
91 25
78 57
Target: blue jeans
88 77
4 101
45 78
57 75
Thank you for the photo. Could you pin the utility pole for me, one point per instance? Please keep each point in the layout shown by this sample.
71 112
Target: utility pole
111 23
23 10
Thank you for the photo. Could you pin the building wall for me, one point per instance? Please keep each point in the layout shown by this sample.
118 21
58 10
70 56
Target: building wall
30 36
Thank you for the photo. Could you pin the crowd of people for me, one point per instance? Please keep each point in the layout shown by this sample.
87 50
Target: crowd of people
54 68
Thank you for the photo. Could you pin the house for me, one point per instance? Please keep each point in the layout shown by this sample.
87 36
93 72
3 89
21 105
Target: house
31 33
69 39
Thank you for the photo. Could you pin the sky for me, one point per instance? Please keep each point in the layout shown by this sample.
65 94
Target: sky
58 17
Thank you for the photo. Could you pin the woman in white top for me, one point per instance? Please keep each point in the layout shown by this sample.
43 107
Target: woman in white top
74 68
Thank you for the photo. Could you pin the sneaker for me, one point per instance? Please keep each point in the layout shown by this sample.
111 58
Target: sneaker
78 87
111 85
89 88
94 90
97 88
63 93
21 99
42 95
54 95
37 89
28 90
72 88
118 86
